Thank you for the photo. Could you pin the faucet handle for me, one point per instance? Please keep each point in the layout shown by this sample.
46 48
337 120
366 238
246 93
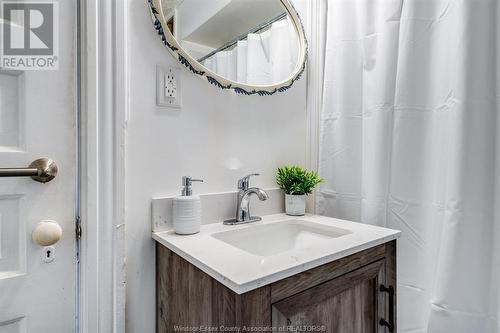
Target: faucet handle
243 182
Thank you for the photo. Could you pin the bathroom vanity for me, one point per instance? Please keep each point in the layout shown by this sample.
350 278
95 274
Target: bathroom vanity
313 273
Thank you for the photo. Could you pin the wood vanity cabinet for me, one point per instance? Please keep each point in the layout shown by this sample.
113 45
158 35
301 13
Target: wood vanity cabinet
354 294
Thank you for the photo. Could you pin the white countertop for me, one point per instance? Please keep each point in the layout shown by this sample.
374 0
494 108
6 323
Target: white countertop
242 271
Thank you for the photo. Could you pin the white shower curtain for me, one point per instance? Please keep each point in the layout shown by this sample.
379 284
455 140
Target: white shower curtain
410 139
263 58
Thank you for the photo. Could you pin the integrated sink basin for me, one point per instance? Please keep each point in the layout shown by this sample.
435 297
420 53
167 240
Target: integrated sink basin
271 239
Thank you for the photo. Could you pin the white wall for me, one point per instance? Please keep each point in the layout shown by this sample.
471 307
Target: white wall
217 135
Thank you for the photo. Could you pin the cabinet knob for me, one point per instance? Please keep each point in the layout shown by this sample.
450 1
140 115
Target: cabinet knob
46 233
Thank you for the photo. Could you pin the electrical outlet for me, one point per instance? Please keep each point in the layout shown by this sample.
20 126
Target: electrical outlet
168 87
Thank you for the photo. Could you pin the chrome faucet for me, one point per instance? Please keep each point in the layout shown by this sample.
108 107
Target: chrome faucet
242 207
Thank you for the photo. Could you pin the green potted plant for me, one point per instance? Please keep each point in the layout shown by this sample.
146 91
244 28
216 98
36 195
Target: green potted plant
296 182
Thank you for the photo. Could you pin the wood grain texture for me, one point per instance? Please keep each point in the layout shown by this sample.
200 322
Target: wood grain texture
380 299
343 294
347 304
188 297
224 300
183 293
253 309
162 284
299 282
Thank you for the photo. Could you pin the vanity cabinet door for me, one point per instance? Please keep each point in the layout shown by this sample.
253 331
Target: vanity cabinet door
351 303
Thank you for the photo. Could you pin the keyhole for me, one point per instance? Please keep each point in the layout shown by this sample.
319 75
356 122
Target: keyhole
48 254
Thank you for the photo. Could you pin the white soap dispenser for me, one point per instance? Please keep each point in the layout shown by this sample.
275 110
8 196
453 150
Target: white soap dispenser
186 209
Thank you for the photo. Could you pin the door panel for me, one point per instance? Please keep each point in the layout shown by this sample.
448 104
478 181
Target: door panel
348 304
12 256
37 119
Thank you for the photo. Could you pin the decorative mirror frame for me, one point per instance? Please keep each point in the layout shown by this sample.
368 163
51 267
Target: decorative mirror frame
194 66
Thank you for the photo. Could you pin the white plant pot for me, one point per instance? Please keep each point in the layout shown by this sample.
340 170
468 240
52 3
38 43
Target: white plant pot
295 205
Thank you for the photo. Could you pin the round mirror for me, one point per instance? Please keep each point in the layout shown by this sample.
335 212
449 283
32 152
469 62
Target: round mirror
251 46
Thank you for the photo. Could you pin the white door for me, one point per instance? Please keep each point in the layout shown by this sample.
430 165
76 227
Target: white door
37 119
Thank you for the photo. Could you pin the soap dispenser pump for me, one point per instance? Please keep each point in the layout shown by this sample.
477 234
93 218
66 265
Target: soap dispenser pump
186 209
187 182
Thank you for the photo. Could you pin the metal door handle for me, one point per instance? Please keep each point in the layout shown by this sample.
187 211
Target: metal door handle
42 170
389 324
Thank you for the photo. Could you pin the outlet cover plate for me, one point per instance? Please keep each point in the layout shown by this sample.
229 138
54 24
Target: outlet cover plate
168 87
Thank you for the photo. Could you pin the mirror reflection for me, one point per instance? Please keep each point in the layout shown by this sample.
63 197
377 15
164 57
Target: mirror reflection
252 42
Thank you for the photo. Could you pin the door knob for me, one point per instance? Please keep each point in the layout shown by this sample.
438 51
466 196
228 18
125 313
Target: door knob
46 233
